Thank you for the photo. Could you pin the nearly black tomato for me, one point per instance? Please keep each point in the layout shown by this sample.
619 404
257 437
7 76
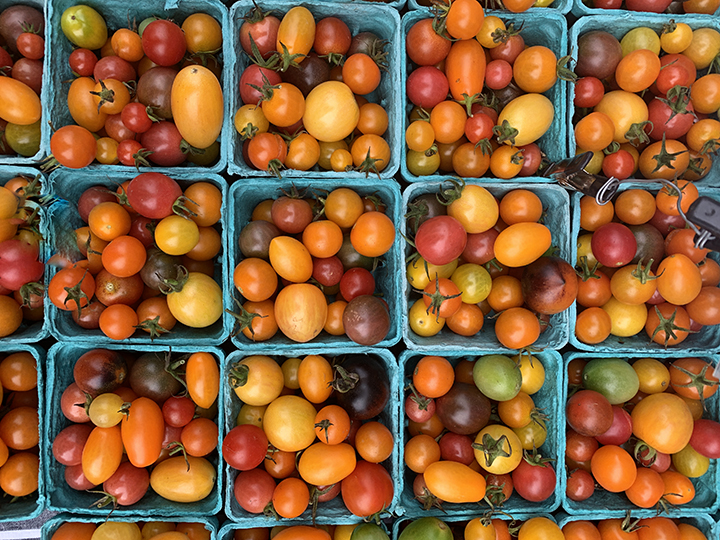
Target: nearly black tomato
363 386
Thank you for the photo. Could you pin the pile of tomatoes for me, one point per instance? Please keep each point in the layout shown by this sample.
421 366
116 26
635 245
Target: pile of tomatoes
151 94
481 528
457 451
637 428
158 409
635 529
301 250
476 255
148 256
644 103
22 48
130 530
21 267
485 124
359 531
310 94
640 269
309 430
19 432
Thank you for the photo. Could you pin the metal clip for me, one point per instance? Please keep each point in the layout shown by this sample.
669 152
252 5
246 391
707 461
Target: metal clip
705 215
571 173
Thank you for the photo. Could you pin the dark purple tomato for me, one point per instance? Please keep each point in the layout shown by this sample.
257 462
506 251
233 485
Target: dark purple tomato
142 229
549 285
532 159
363 386
158 267
599 53
650 244
128 484
312 71
164 42
166 144
14 20
580 485
245 447
419 409
253 490
178 411
255 75
589 413
76 479
290 214
356 282
114 67
705 438
153 194
366 43
29 72
440 240
620 430
463 409
149 378
350 258
329 271
456 447
154 89
534 482
91 197
255 237
99 371
82 62
89 317
666 223
366 320
116 128
422 208
613 245
427 86
68 445
480 247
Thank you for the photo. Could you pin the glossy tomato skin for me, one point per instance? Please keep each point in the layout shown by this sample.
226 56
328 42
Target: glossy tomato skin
368 489
164 42
371 393
705 438
253 490
613 245
440 240
534 483
128 485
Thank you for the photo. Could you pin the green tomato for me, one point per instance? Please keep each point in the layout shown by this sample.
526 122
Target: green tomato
420 164
497 377
369 531
641 37
84 27
612 377
206 156
690 463
25 140
427 528
144 23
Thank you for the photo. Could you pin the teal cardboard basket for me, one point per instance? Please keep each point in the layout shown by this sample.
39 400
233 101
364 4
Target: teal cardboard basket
61 497
331 512
397 4
53 524
541 26
45 94
31 332
31 506
619 23
547 399
561 6
706 340
703 522
246 194
119 14
706 499
382 20
557 205
65 218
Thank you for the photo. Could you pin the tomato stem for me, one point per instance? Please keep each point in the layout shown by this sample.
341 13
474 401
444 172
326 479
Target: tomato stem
449 195
665 158
564 73
493 448
668 326
369 165
505 132
584 271
344 380
104 501
106 95
29 290
698 381
637 135
153 327
175 285
244 319
437 298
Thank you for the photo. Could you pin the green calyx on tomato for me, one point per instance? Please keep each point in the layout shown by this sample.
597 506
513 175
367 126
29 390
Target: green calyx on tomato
668 326
244 319
493 448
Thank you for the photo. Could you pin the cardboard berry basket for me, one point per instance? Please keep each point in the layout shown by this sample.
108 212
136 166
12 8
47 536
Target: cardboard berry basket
31 506
547 399
68 186
540 27
706 340
397 4
382 20
706 499
334 511
45 94
53 524
61 497
246 194
556 205
31 332
619 23
119 14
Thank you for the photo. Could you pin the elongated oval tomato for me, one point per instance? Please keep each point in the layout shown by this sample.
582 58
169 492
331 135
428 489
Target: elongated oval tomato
454 482
203 379
465 69
296 32
197 105
300 311
315 375
199 303
522 243
102 454
476 209
530 127
323 464
176 480
18 103
82 106
142 430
